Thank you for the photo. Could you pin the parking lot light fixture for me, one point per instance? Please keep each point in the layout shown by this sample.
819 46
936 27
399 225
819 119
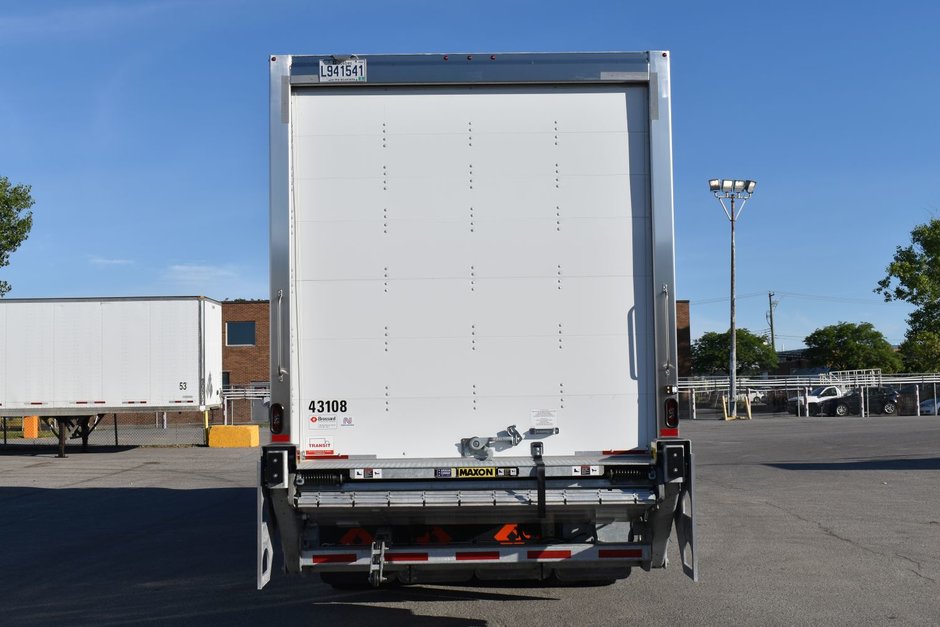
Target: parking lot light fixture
732 190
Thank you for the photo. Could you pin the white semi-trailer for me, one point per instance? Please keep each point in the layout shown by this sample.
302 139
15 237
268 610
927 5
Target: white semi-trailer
473 319
76 359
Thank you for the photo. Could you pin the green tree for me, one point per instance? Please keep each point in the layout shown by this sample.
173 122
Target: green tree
849 346
914 276
914 273
15 221
710 353
920 351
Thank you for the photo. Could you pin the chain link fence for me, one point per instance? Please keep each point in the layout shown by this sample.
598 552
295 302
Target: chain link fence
241 405
110 430
856 393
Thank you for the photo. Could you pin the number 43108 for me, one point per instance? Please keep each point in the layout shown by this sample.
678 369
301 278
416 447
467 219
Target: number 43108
327 406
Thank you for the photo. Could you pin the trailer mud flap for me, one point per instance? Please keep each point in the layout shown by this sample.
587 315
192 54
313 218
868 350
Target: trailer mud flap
265 548
685 523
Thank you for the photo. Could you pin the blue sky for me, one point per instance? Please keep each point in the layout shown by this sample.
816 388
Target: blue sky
142 127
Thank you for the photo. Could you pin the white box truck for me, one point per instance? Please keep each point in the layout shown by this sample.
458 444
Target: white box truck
473 319
75 359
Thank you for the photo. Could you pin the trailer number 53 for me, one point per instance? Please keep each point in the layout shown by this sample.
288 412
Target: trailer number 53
182 385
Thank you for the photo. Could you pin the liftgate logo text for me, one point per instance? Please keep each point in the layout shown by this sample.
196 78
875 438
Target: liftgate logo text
478 472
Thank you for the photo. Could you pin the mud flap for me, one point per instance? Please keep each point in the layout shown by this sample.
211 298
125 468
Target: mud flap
685 523
265 548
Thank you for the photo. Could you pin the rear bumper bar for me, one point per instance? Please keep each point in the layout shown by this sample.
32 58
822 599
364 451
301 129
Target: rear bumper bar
459 557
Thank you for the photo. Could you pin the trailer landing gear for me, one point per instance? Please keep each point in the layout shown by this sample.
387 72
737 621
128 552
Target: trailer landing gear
71 428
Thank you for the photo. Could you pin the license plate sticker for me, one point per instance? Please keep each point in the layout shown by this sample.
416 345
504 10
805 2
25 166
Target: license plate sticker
345 71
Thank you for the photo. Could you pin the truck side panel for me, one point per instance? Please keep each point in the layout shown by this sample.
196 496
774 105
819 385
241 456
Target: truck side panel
28 351
86 356
3 356
128 373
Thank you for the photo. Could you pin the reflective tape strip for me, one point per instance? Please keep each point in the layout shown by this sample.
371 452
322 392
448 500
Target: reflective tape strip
474 556
406 557
349 558
620 553
335 558
315 455
548 555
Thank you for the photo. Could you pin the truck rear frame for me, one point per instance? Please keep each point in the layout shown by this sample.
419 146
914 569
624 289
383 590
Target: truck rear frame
487 508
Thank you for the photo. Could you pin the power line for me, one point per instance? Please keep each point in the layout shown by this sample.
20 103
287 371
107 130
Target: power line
797 295
719 299
833 299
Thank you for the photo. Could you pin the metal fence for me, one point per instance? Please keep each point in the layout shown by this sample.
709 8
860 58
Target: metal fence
917 394
245 404
172 428
109 430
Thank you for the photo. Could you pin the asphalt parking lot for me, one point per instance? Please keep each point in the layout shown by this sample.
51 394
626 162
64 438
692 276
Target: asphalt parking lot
800 521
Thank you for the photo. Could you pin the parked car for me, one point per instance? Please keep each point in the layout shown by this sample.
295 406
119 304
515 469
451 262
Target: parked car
929 407
816 396
755 396
880 400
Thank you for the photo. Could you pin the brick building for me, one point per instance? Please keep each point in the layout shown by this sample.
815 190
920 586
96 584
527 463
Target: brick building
684 337
246 347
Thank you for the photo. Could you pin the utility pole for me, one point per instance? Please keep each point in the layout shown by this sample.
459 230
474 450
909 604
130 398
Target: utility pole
770 314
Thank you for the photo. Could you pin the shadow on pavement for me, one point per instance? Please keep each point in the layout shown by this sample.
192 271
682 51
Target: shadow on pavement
113 556
27 450
926 463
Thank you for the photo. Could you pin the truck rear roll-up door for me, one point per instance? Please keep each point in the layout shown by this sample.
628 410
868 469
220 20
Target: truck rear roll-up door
468 259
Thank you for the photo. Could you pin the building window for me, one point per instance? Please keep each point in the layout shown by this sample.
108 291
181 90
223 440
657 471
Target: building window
240 333
226 379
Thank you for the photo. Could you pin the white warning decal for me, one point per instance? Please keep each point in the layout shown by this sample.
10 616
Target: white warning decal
544 419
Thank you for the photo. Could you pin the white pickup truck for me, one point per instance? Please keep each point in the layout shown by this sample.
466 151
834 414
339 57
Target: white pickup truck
797 404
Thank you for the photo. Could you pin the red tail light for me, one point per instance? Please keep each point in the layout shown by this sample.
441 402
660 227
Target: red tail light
672 413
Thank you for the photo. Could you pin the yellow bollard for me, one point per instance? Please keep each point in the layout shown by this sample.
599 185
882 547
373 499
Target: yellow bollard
30 427
234 436
724 407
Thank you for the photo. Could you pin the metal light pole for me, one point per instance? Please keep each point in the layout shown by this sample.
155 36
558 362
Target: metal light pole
732 189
